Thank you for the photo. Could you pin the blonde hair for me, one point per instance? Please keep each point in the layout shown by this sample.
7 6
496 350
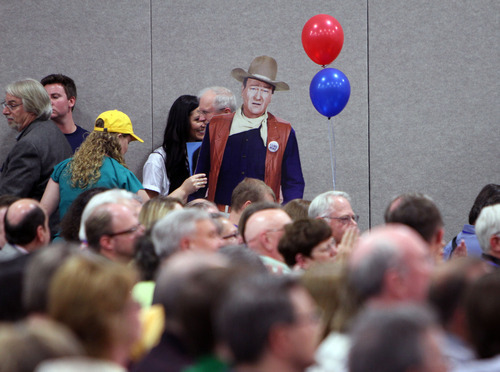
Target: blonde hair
327 283
87 294
85 165
156 208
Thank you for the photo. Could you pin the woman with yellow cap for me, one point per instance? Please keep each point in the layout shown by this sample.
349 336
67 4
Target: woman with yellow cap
99 162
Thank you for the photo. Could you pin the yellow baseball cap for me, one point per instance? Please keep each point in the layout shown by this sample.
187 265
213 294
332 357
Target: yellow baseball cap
115 121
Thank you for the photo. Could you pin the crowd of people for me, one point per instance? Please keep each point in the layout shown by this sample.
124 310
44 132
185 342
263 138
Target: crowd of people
215 262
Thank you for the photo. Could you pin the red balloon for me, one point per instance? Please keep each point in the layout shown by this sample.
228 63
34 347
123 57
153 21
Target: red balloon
322 38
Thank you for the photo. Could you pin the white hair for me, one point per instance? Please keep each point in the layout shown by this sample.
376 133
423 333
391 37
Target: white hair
168 232
34 96
223 98
323 204
110 196
487 224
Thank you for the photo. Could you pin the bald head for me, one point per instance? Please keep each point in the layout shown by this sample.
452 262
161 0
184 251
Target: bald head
391 263
26 224
264 230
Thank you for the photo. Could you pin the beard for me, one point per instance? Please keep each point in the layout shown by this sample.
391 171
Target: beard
14 126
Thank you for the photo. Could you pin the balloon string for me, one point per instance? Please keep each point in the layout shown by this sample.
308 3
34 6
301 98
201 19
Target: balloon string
333 160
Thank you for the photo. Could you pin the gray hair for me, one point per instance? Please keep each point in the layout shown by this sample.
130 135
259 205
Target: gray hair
34 96
323 204
391 339
488 224
223 98
106 197
168 232
367 275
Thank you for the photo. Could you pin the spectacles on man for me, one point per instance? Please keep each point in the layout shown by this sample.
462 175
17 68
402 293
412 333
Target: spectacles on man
10 106
344 219
133 229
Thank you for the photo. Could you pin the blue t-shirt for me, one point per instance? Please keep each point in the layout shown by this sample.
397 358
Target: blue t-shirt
76 138
113 175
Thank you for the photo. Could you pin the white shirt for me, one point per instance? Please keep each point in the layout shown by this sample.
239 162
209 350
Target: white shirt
154 172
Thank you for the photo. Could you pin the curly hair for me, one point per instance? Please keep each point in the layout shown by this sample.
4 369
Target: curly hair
84 168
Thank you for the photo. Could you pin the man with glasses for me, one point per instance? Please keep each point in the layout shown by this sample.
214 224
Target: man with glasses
112 229
335 208
39 145
251 142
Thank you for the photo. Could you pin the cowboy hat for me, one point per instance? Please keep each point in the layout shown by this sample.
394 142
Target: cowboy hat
262 68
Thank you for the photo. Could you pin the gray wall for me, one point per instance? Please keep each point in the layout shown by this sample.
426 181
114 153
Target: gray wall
423 113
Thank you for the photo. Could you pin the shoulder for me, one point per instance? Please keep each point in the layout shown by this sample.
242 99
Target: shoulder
277 119
80 130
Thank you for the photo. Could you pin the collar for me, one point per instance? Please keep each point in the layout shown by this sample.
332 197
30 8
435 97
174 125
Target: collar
241 123
495 261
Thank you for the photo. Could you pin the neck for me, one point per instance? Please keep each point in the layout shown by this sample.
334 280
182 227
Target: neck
234 217
119 355
65 124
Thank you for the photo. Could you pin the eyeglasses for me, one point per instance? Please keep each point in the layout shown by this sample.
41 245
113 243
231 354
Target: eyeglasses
10 106
133 229
344 219
230 236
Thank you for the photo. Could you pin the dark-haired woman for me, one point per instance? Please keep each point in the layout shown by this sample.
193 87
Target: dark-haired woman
166 172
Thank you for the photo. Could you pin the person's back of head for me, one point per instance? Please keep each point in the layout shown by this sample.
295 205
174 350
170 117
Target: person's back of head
249 211
392 250
486 192
488 230
92 296
400 339
26 225
482 305
258 309
24 345
297 209
250 190
420 213
39 272
173 274
198 298
156 208
70 223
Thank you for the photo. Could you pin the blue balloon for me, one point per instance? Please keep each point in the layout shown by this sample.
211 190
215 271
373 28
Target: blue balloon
329 91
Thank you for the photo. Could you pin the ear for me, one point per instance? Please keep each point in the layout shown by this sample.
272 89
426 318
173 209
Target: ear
227 110
394 284
71 102
40 233
495 244
302 261
278 340
438 237
245 204
106 245
185 244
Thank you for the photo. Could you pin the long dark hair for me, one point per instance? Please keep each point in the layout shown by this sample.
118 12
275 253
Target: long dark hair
175 138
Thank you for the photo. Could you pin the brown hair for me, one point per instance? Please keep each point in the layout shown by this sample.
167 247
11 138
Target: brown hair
86 294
